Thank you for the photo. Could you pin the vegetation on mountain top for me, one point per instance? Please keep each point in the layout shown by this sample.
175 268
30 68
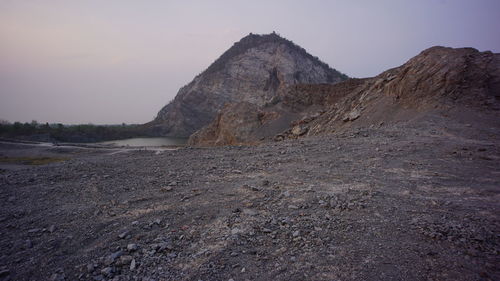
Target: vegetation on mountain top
253 40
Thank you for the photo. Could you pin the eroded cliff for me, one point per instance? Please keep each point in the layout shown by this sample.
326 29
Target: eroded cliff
439 79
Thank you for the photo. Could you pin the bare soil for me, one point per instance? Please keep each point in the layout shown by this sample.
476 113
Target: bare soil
411 201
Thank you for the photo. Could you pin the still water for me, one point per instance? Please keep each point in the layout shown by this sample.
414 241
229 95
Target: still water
147 142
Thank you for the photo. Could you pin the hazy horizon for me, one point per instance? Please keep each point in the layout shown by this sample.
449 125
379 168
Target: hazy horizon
112 62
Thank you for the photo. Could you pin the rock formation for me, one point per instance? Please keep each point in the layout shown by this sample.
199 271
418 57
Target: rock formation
256 70
438 79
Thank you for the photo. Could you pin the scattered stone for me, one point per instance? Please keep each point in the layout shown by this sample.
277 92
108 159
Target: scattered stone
266 230
132 247
4 272
91 267
296 233
167 188
299 130
58 277
124 234
107 271
164 246
52 228
132 265
293 207
353 115
34 230
111 258
236 231
250 212
125 260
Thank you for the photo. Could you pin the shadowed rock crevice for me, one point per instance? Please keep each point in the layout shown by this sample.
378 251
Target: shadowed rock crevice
273 82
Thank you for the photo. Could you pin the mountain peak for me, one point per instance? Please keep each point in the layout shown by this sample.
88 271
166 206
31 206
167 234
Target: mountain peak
257 69
253 40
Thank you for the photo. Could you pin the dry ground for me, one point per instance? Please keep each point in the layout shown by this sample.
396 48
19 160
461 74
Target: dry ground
400 202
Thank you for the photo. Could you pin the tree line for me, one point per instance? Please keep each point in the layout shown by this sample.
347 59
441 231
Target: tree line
69 133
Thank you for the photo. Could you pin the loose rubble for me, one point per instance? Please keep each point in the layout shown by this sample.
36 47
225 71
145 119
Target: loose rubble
409 202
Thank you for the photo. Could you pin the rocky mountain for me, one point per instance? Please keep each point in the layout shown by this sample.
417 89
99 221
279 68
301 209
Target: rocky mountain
256 70
439 80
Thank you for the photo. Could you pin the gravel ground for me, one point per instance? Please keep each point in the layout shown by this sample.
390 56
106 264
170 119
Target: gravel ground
400 202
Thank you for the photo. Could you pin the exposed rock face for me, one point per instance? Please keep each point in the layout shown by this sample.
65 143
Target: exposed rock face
439 78
236 124
256 70
243 123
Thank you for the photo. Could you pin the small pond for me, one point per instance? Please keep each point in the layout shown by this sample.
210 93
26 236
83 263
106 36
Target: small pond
164 141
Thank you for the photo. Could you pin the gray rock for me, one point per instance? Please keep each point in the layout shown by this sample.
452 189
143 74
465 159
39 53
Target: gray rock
353 115
124 234
299 130
236 231
107 271
125 260
167 188
4 272
112 258
58 277
132 265
91 267
52 228
34 230
250 212
132 247
165 246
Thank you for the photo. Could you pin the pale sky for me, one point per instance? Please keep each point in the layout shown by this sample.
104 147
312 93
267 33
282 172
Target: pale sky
114 61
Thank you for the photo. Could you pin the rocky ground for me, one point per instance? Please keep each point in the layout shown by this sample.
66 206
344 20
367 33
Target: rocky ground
416 201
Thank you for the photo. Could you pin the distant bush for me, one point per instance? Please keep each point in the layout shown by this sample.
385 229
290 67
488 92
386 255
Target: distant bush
69 133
